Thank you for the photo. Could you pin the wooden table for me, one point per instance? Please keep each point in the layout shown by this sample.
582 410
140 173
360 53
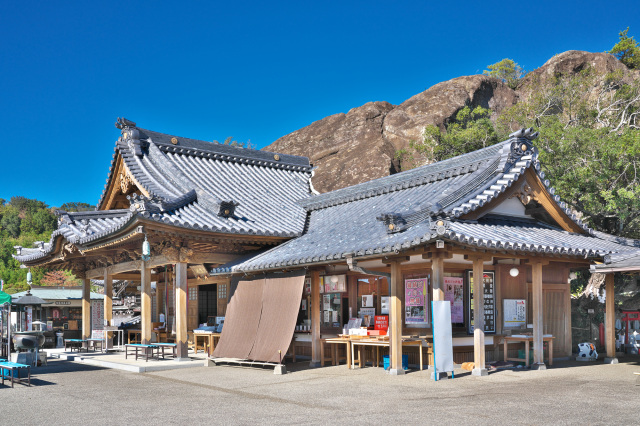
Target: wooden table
211 341
378 344
335 342
137 336
527 340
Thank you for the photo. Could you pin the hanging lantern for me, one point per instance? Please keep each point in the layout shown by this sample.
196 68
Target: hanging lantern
29 277
146 249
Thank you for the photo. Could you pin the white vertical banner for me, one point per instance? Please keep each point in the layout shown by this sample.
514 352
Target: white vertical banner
97 315
442 336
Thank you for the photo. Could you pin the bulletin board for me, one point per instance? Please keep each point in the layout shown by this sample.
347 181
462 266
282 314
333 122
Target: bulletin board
515 312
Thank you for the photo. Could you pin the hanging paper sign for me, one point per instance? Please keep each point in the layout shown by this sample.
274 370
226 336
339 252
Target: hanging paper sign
454 293
415 301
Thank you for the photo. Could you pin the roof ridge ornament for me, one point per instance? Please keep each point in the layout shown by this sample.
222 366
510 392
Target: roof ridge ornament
157 204
521 146
122 123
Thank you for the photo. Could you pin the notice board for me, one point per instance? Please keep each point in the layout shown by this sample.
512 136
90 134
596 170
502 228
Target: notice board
514 312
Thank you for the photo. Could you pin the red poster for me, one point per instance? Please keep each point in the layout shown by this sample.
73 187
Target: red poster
381 322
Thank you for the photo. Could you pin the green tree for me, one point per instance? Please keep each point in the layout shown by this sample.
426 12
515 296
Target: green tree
508 71
59 278
11 221
627 50
471 129
589 144
77 207
38 222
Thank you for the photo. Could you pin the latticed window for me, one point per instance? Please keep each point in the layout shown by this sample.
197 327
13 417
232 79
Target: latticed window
222 291
193 293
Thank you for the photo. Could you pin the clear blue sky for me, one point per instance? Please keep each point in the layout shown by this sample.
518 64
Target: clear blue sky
251 70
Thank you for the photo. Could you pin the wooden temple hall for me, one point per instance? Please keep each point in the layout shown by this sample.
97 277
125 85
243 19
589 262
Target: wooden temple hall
293 269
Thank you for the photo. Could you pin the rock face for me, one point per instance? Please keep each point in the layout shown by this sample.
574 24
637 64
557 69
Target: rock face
360 145
570 63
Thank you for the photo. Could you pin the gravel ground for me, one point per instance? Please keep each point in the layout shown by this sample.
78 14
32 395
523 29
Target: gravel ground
568 393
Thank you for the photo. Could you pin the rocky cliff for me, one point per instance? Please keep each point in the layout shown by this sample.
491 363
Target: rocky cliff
360 145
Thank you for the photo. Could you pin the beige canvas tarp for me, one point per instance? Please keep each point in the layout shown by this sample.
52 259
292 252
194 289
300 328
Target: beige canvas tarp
241 321
280 307
261 318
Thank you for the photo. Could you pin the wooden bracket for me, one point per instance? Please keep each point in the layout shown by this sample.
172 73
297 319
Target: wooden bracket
438 255
389 259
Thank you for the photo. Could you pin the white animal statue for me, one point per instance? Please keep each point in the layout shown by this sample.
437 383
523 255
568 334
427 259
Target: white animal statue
587 351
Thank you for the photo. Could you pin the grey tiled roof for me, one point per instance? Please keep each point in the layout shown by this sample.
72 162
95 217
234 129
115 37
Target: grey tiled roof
350 220
191 183
78 228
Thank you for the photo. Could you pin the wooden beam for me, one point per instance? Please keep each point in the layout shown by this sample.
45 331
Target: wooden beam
395 321
438 254
437 277
388 260
161 260
145 303
108 307
86 308
314 307
610 312
538 312
478 317
181 309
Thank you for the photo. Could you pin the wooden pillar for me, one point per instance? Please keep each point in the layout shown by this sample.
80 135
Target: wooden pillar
145 303
538 312
315 319
437 276
86 308
108 303
181 310
478 318
610 313
395 321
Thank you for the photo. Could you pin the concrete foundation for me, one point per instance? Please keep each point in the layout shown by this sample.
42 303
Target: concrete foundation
280 369
442 375
314 364
396 371
479 372
611 360
539 366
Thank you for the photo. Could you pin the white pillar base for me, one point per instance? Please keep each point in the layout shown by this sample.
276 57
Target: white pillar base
479 372
442 375
182 359
538 366
611 360
314 364
280 369
396 371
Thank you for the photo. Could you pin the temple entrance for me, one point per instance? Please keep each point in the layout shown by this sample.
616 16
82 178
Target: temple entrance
207 302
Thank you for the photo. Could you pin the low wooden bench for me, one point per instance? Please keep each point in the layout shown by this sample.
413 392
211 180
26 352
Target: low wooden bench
163 346
146 353
75 344
94 343
14 369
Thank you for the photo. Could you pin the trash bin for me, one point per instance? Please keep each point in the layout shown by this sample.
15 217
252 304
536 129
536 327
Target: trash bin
59 339
521 355
405 362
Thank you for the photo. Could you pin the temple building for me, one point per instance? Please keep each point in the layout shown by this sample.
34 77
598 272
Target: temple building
292 267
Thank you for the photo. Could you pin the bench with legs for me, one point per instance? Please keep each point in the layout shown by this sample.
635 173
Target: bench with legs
147 350
76 344
162 346
94 343
11 371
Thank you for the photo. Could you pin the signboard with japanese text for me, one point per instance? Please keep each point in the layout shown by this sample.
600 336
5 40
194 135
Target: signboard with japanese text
454 293
416 302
